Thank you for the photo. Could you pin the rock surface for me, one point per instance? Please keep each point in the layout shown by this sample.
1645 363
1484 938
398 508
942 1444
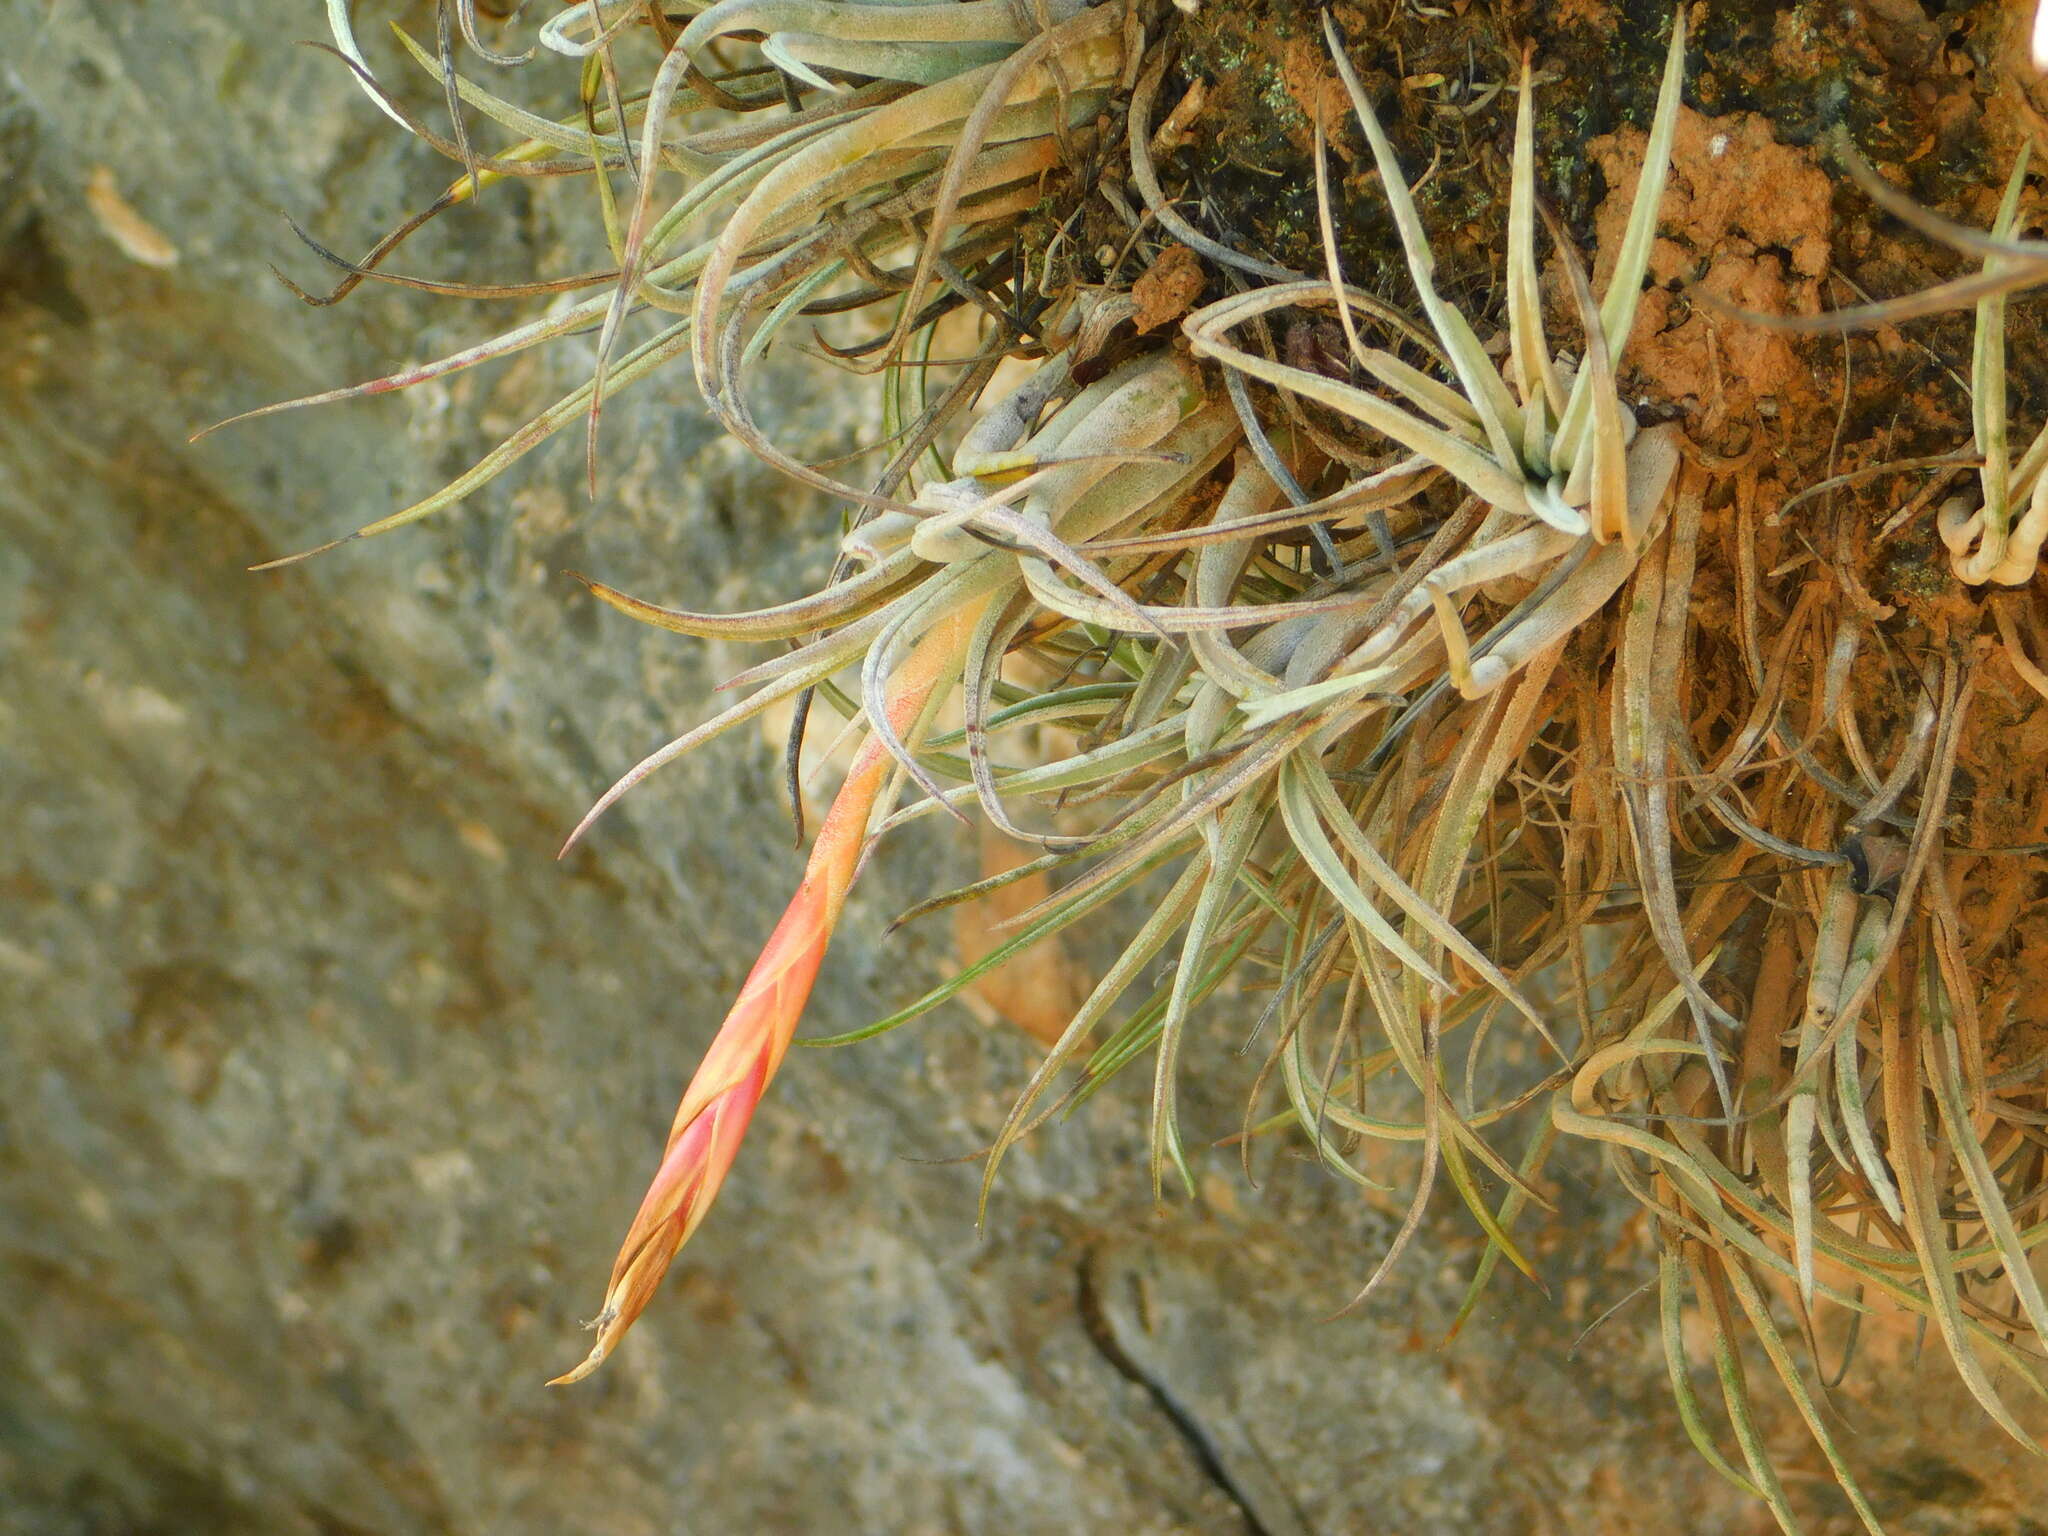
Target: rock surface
328 1094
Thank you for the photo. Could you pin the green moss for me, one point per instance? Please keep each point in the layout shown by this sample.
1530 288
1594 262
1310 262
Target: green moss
1918 568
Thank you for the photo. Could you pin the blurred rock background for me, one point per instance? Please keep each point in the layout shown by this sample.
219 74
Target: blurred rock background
328 1093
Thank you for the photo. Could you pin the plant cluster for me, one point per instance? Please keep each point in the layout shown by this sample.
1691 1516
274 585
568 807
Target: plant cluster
1369 647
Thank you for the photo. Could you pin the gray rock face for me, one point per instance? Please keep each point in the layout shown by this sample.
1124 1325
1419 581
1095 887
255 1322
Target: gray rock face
328 1094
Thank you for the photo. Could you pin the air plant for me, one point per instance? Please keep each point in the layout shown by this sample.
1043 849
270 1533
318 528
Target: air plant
2000 539
1385 696
1052 512
1997 539
1876 1159
929 138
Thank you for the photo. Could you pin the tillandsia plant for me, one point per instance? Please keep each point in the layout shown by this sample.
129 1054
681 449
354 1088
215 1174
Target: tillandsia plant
1020 543
1996 537
936 152
1393 686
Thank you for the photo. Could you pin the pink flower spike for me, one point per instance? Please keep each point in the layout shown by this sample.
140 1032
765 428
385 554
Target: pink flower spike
705 1137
